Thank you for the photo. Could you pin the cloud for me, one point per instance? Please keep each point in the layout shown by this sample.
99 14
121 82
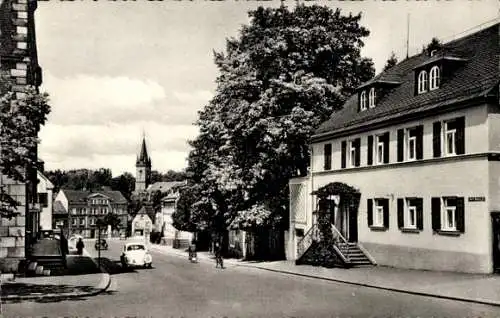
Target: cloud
114 146
102 100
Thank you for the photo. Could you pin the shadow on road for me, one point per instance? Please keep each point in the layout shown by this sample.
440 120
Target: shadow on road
25 289
114 267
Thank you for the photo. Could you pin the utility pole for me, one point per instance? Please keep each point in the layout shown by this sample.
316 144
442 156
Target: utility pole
408 35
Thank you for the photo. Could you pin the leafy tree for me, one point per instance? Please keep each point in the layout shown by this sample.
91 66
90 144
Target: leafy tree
80 179
21 116
284 75
109 219
392 61
170 175
124 183
435 44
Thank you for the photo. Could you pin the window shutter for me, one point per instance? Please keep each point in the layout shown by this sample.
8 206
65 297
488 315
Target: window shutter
370 150
327 157
460 215
436 139
386 213
401 211
401 142
357 145
386 147
369 211
420 213
420 142
343 154
460 140
436 214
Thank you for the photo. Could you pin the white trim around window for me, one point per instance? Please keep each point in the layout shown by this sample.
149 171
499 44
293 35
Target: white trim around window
352 154
410 218
422 82
411 144
434 78
379 150
449 214
371 97
362 101
378 213
450 136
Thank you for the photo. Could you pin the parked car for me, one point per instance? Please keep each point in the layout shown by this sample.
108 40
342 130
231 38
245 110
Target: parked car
101 244
135 255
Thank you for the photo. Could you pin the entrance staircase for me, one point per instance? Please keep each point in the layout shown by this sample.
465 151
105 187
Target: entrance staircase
343 253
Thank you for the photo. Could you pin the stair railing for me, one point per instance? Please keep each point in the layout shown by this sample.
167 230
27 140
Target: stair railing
311 235
344 244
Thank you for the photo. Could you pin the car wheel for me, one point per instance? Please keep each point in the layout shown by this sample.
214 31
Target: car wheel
150 265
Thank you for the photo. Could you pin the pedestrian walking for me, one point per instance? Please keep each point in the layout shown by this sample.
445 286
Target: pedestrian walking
80 246
218 256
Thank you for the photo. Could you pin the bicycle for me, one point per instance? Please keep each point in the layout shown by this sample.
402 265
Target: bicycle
219 261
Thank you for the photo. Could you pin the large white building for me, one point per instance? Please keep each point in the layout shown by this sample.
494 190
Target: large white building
421 144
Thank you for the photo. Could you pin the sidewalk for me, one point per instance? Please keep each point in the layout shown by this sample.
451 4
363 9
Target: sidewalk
81 279
483 289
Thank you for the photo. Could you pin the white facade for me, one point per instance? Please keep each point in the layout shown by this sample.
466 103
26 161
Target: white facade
164 221
45 190
473 176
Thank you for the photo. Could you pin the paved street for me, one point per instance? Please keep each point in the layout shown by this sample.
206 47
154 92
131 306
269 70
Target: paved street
176 288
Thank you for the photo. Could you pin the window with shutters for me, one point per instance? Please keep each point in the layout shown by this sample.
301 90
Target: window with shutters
410 214
381 149
448 214
327 157
449 137
350 153
410 143
74 221
378 213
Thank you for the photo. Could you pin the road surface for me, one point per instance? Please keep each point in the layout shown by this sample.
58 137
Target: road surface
177 288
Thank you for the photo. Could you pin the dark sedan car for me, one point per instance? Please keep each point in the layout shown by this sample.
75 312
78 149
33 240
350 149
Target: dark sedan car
101 244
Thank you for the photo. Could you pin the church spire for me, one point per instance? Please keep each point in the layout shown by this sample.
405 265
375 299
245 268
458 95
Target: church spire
143 155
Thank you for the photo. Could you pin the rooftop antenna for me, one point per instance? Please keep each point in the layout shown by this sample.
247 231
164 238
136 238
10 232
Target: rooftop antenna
408 35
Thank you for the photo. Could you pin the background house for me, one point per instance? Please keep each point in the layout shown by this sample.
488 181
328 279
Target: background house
142 223
83 208
164 222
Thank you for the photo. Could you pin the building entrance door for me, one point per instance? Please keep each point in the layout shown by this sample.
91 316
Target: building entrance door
495 221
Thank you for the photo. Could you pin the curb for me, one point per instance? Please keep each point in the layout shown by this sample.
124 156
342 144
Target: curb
405 291
103 285
336 280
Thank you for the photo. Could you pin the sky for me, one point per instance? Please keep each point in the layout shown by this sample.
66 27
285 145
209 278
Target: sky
116 70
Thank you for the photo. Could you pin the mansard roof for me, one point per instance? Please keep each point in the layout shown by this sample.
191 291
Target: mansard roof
476 73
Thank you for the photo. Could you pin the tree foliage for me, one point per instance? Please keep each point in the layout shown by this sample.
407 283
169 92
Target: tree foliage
287 71
392 61
109 219
21 116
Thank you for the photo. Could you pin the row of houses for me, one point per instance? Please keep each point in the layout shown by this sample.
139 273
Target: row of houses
420 143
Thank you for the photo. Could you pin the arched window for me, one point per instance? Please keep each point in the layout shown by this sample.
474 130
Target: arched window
371 98
362 100
434 78
422 82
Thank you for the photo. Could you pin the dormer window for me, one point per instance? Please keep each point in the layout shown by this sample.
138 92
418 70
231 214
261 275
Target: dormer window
371 98
422 82
434 78
362 101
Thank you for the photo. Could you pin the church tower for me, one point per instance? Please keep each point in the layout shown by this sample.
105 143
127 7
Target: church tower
143 168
